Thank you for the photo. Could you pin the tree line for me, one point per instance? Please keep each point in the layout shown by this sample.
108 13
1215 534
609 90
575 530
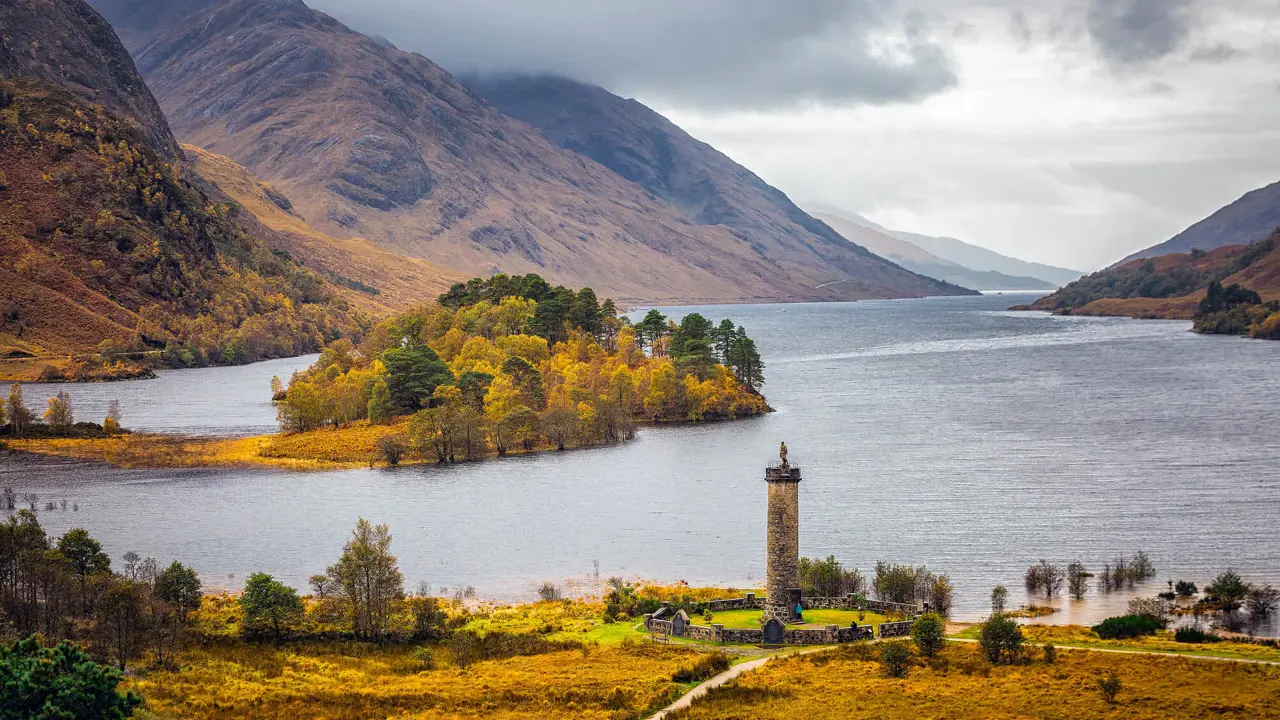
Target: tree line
512 363
18 421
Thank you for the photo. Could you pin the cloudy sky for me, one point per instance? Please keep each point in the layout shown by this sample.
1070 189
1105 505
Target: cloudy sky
1071 132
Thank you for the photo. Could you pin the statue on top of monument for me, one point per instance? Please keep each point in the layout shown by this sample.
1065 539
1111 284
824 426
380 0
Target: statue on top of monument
782 453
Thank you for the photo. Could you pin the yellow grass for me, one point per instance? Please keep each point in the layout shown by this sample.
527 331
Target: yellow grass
354 682
1075 635
141 450
959 685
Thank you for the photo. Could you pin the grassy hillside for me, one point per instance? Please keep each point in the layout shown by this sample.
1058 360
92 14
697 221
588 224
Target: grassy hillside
1175 287
116 257
1248 219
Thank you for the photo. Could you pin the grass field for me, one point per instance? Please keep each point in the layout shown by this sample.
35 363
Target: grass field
1162 642
959 684
813 618
336 681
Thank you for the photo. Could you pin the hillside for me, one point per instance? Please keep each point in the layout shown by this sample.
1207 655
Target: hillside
964 254
1174 287
118 258
370 141
69 45
651 151
371 278
113 249
1249 219
918 260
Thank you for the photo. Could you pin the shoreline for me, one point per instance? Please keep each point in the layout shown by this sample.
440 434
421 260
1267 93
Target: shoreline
313 450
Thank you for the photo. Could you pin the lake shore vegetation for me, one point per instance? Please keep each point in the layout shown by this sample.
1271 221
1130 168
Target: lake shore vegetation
511 364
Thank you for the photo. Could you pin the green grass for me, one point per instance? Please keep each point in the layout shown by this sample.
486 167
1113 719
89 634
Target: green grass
813 618
1160 643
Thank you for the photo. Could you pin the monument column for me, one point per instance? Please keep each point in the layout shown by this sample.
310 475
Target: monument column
782 566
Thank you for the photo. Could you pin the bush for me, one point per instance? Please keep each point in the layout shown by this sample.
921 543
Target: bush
1185 588
1128 626
392 449
1050 654
705 667
548 592
895 658
1194 635
929 632
1001 640
59 682
1109 686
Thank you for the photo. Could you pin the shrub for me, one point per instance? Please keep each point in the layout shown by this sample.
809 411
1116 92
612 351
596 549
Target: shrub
1001 640
392 448
548 592
1185 588
929 632
426 657
705 667
1228 590
59 682
1050 654
1194 635
895 658
1109 686
1128 626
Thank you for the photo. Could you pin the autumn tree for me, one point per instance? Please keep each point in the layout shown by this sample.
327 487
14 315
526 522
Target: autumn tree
59 414
111 423
18 414
379 407
370 579
120 626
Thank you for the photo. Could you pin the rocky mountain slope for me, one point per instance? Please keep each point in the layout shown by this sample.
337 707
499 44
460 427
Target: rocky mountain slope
964 254
70 46
1249 219
118 257
920 261
370 141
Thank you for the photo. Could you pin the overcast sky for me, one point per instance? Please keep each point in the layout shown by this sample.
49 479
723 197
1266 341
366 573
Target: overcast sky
1071 132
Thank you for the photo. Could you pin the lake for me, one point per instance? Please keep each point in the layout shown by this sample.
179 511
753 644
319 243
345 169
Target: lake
941 431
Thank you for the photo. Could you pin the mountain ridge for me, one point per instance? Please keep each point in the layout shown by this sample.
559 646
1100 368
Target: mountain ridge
1251 217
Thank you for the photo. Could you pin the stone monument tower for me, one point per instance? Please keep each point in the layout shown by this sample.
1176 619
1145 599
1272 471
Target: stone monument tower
782 567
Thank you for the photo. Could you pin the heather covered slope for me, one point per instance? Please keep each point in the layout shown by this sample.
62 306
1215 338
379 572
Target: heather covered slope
373 142
1171 286
651 151
1249 219
111 248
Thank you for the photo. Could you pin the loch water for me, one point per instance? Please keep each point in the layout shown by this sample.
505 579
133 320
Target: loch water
944 431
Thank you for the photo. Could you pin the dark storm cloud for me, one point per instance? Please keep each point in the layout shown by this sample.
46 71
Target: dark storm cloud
712 54
1133 32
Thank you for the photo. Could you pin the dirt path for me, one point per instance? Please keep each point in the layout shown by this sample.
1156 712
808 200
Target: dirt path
688 698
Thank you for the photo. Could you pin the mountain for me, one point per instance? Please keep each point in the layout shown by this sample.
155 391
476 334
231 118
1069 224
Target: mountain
964 254
70 46
1170 286
920 261
370 141
1253 217
117 257
369 277
651 151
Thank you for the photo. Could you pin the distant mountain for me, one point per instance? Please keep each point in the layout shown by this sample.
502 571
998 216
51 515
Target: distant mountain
920 261
116 255
646 148
370 141
966 255
1170 286
1249 219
